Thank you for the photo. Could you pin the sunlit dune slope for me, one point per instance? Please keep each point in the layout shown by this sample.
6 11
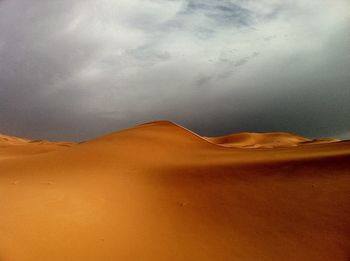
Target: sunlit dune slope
259 140
161 192
13 147
265 140
9 140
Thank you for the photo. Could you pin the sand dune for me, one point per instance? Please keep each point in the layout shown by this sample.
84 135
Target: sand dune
14 147
265 140
9 140
161 192
259 140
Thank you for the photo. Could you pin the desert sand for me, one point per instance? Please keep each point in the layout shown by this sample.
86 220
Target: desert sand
161 192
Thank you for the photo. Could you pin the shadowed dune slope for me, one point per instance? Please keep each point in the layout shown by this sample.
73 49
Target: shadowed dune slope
161 192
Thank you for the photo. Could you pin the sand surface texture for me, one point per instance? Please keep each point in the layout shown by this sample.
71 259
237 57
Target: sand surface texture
160 192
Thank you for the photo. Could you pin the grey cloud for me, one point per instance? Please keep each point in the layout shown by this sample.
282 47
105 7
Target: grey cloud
246 59
149 55
203 81
222 11
241 62
78 69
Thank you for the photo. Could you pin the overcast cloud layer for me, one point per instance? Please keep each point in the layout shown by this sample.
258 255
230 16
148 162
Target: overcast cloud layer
75 69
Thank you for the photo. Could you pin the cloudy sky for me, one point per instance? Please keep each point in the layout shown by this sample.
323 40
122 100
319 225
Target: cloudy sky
75 69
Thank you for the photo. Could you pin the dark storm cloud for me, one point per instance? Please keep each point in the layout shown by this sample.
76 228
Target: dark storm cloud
78 69
222 11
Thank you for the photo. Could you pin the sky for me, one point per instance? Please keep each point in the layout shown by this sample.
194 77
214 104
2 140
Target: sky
77 69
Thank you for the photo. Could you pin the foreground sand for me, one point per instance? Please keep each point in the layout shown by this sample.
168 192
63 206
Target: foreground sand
160 192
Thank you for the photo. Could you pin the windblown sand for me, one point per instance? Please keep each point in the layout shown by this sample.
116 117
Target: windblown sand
160 192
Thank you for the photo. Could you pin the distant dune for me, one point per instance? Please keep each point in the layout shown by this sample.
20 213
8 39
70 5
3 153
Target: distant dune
259 140
161 192
13 147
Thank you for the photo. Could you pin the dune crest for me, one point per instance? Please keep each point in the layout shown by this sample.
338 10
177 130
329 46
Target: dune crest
236 140
250 140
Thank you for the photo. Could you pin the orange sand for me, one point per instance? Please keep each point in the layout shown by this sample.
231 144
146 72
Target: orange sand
160 192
